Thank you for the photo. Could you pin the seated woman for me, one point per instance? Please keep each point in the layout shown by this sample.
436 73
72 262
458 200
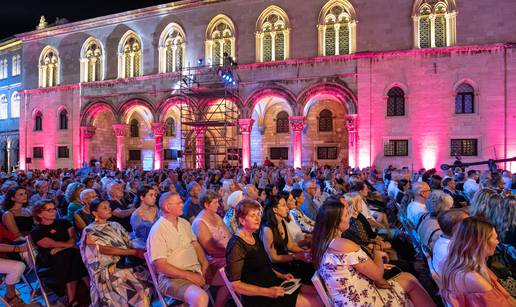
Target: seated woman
12 269
428 228
466 280
83 216
285 255
213 235
300 238
72 197
55 240
103 246
304 222
229 218
144 217
17 218
249 269
351 276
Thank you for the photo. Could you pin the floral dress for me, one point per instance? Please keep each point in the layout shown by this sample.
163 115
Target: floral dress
111 286
348 287
304 222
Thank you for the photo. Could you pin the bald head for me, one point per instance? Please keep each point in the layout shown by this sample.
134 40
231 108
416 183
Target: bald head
421 190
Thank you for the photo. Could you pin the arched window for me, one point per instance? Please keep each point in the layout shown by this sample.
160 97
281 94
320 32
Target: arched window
337 26
15 105
130 56
272 35
465 99
63 120
134 128
434 23
16 69
170 127
91 61
220 40
395 102
172 47
38 121
3 106
3 69
325 121
48 67
282 122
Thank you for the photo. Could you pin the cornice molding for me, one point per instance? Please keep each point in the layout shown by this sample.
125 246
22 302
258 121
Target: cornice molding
113 19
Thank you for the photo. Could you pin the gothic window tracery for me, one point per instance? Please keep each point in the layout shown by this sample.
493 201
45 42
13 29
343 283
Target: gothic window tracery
130 56
272 35
172 49
48 67
15 105
220 40
92 61
434 23
336 24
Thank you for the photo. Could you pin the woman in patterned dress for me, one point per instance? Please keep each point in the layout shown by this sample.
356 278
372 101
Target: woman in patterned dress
351 276
103 244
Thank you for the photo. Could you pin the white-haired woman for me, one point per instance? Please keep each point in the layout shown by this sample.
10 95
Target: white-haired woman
428 228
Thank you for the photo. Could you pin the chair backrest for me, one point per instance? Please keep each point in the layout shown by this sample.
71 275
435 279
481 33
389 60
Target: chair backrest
31 261
154 277
229 285
321 290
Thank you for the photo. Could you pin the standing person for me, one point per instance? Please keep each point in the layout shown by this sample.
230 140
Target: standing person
17 218
104 247
352 276
176 254
145 216
466 278
57 252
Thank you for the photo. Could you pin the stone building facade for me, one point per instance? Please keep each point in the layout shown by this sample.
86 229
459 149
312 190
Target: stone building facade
358 82
10 86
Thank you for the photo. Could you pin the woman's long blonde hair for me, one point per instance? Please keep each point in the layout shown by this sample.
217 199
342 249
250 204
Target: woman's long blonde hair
354 201
467 251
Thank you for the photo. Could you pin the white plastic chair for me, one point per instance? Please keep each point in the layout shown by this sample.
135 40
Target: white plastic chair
229 285
150 265
321 290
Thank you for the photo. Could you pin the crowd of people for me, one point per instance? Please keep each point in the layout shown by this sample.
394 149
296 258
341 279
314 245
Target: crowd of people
358 230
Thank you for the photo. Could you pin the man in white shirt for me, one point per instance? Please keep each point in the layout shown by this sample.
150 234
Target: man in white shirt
447 220
417 207
176 254
471 186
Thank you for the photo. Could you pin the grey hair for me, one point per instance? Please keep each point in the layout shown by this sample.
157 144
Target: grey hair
306 183
86 192
437 202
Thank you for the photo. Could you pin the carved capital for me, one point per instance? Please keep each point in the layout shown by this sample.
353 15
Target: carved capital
297 123
246 125
87 132
351 122
158 129
199 131
120 130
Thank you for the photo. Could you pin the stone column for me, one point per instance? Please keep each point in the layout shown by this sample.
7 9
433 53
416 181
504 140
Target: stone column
297 124
199 140
87 133
351 126
158 130
246 125
120 131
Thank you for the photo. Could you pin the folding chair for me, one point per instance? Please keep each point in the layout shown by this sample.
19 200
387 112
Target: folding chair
155 279
229 285
32 265
321 290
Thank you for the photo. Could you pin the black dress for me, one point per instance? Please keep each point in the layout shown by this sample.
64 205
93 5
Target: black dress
24 224
298 268
63 267
250 264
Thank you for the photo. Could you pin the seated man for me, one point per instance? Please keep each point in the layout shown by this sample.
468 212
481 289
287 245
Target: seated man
417 207
177 256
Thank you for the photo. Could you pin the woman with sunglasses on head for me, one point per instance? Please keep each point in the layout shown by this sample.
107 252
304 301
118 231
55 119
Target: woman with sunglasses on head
57 251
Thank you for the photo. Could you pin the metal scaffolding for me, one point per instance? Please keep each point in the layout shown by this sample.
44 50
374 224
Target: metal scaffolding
211 112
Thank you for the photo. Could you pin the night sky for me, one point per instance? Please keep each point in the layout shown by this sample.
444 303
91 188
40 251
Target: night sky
18 16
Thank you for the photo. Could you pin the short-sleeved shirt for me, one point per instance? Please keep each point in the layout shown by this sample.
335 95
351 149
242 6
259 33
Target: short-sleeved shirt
173 244
191 209
57 231
414 212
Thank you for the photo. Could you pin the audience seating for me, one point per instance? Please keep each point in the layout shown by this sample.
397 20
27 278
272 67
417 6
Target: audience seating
31 263
229 285
321 290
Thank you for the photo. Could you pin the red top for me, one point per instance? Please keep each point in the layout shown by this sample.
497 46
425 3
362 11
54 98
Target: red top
497 296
